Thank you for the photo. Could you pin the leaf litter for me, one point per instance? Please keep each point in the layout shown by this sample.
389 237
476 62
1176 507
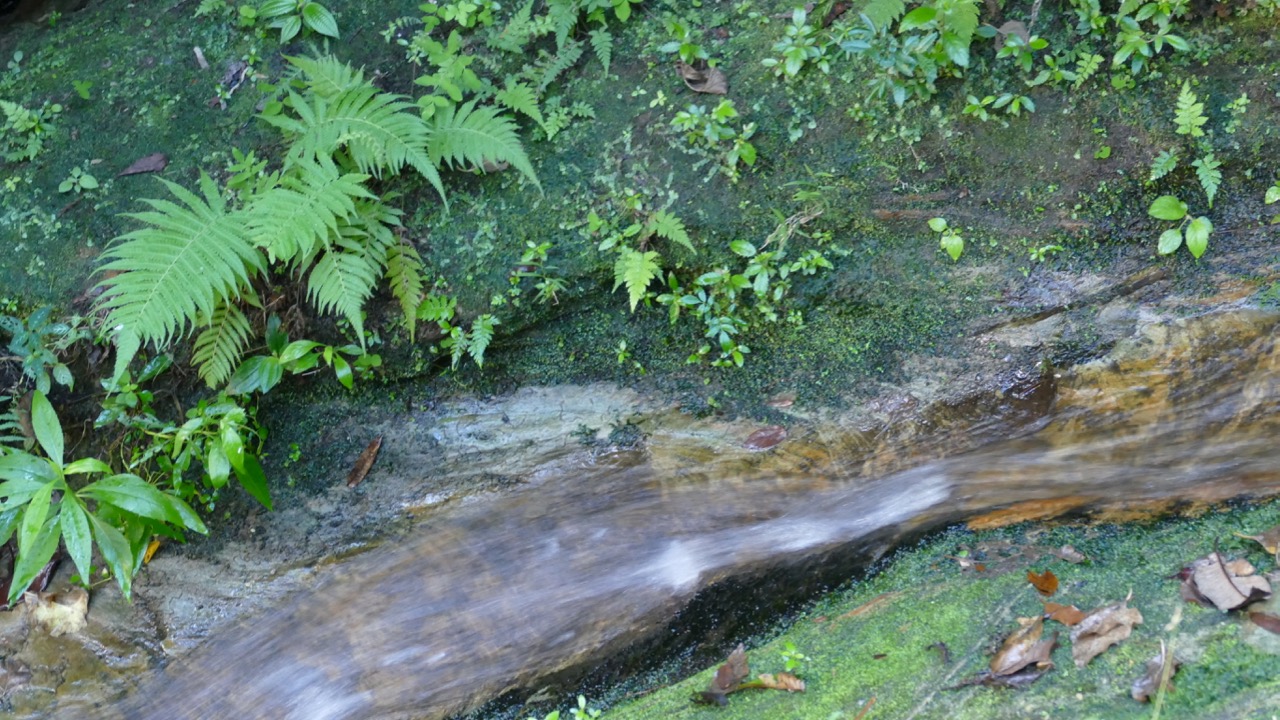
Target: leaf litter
732 677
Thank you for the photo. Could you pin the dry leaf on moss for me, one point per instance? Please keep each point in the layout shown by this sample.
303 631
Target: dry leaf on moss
781 681
1266 621
1070 554
1025 647
1269 539
1225 585
1046 583
1068 615
364 462
728 678
154 162
1101 629
703 80
1159 668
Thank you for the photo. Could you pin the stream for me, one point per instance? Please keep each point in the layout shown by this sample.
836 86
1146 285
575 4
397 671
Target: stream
597 553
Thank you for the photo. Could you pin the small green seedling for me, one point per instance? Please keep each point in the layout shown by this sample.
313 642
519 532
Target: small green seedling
1195 231
951 240
79 181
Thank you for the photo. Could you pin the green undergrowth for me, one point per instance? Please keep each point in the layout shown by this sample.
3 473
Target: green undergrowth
886 655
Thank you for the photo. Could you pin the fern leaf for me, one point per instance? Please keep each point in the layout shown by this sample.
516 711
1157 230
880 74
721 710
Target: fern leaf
186 261
327 76
517 33
10 425
636 270
563 15
479 338
1163 164
1209 174
405 276
664 224
219 347
960 17
475 135
341 282
565 58
602 43
1189 114
292 220
884 12
521 98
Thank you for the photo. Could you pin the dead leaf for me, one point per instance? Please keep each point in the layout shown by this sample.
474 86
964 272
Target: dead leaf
1159 671
1212 580
1239 567
1266 621
708 80
1269 539
729 677
781 681
765 438
782 400
874 603
1015 27
152 547
1101 629
1046 583
1068 615
154 162
1024 647
1016 681
204 64
1070 554
364 462
59 613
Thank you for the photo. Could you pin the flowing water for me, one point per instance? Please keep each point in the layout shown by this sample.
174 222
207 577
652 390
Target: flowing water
598 553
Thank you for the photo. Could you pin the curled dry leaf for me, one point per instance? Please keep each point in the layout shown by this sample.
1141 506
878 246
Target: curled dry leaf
154 162
364 462
781 681
703 80
1266 621
728 678
765 438
1024 647
1225 585
1046 583
1101 629
1160 670
61 612
1068 615
1269 539
1070 554
1016 681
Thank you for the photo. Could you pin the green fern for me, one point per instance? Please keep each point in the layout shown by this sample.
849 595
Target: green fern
10 426
566 57
636 270
517 33
602 44
184 263
405 276
1189 114
341 282
294 219
1209 174
563 17
1163 164
479 338
219 347
959 17
664 224
328 76
468 134
883 12
521 98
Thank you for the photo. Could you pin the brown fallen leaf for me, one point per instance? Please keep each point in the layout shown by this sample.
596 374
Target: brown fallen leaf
1266 621
154 162
1268 539
1046 583
1239 567
1068 615
1016 681
874 603
364 462
728 678
152 547
1070 554
1211 579
60 613
782 400
708 80
765 438
781 681
1101 629
1024 647
1160 670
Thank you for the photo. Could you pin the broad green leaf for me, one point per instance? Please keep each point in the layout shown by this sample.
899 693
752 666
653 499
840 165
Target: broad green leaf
276 8
342 369
917 18
254 481
1168 207
289 28
25 473
132 493
86 465
938 224
1198 231
217 466
47 428
743 248
115 550
297 349
33 558
259 373
33 519
62 374
1273 194
9 522
1170 241
953 244
233 446
75 533
88 182
154 367
318 18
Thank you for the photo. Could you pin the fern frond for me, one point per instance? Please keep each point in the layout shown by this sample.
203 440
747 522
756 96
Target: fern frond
479 338
220 346
328 76
520 98
563 15
1163 164
664 224
380 131
636 270
475 135
405 276
960 17
10 425
1189 114
517 33
602 43
341 282
294 219
1209 174
565 58
884 12
186 261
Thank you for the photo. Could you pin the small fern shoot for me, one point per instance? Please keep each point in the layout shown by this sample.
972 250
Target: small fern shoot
479 338
405 276
636 270
476 134
602 44
666 225
522 99
1209 175
1163 164
1189 114
219 347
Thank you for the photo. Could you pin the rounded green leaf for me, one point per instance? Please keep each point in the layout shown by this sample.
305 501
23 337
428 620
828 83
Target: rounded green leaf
289 28
743 248
954 245
233 446
318 18
342 368
217 466
256 374
88 182
44 421
1168 207
1170 241
62 375
916 18
1198 231
1273 194
938 224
